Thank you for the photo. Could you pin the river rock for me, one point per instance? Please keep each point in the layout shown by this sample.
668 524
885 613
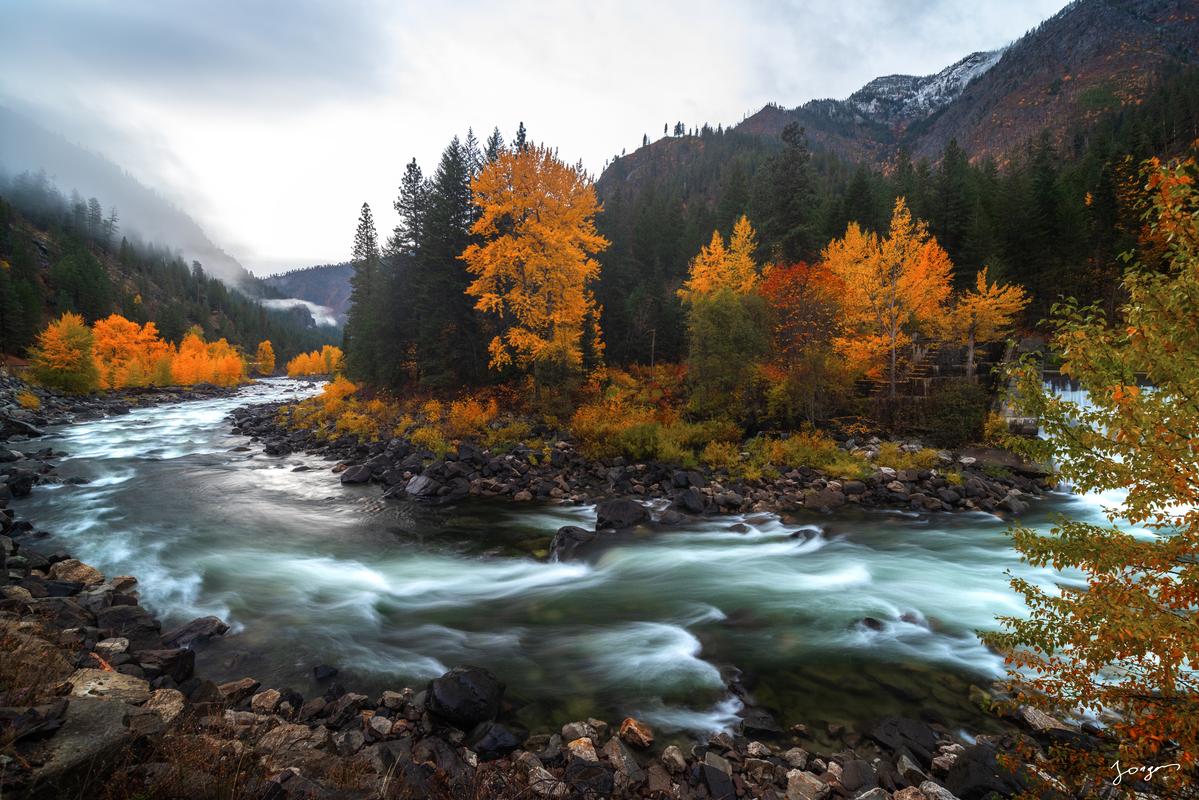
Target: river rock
823 499
422 486
198 630
178 663
492 740
108 685
75 571
359 473
589 778
92 736
234 692
131 622
805 786
465 696
900 734
690 500
620 513
567 541
636 733
977 774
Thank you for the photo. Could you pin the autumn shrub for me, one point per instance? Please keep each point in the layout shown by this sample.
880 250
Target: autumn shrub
357 424
430 438
953 477
598 426
63 359
469 417
28 400
719 455
197 361
995 429
890 454
803 448
506 436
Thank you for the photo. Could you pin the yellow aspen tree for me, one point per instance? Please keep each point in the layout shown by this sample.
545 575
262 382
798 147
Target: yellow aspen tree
895 286
718 267
984 314
534 264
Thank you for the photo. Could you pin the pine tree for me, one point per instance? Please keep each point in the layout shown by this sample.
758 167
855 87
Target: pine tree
495 145
520 142
362 324
786 201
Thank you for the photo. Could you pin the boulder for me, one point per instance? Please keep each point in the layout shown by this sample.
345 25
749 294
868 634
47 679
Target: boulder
805 786
823 499
620 513
690 501
567 541
359 473
109 685
719 784
589 779
422 486
977 774
198 630
234 692
900 734
168 704
178 663
131 622
75 571
93 735
994 457
465 696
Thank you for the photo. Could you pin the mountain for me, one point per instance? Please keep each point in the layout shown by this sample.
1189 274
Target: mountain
1092 57
326 286
26 146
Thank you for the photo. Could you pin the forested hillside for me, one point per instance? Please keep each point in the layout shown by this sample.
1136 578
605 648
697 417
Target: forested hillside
325 285
1050 217
60 254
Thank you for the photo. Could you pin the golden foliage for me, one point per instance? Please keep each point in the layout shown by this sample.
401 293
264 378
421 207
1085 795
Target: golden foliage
894 287
264 358
28 400
983 314
217 363
326 361
62 357
130 355
718 267
534 265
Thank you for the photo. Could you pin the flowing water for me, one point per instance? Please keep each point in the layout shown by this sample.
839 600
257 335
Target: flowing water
308 571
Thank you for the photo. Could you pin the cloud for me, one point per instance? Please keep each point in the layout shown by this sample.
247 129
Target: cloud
273 121
321 315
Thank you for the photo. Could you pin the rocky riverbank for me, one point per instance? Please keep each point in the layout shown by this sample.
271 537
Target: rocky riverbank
978 479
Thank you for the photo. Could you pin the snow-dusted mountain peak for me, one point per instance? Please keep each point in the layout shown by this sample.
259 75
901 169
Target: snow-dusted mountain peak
904 98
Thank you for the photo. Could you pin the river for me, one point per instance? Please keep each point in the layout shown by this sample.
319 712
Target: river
308 571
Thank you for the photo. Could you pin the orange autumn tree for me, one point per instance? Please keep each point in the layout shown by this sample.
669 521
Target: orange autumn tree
218 362
894 288
264 358
533 266
326 361
62 357
130 355
983 314
718 267
804 375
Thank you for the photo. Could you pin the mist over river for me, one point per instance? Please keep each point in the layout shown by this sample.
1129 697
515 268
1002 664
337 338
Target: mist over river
308 571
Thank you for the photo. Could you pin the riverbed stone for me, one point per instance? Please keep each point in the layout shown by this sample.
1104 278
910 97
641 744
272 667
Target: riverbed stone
92 736
568 540
620 513
74 570
583 748
234 692
465 696
805 786
492 740
359 473
636 733
198 630
108 685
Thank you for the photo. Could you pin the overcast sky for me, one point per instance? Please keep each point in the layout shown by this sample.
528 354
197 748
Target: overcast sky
272 122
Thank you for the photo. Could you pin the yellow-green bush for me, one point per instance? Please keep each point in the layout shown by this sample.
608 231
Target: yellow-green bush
891 455
29 400
431 439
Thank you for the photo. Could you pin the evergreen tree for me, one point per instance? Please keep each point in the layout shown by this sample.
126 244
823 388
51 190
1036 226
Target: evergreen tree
786 203
495 145
521 140
362 324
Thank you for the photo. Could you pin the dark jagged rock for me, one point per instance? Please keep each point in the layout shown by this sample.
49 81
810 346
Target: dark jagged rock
567 541
620 513
359 473
465 696
901 734
492 740
977 774
198 630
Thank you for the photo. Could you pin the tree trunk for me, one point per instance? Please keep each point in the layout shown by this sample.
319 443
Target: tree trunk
893 354
970 359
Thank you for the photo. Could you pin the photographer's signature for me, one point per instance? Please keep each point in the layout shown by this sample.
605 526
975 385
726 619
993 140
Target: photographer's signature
1144 772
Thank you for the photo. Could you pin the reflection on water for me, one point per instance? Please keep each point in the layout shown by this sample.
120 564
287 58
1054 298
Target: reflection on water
308 571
